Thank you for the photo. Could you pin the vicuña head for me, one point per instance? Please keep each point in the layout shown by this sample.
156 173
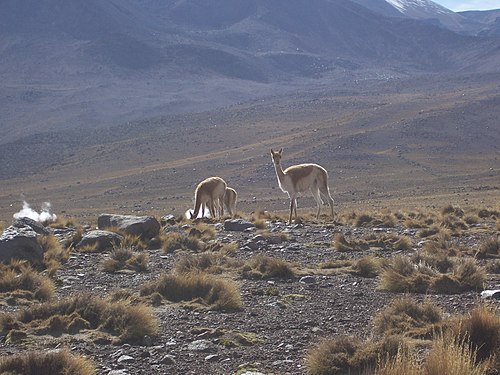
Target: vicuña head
209 192
300 178
230 199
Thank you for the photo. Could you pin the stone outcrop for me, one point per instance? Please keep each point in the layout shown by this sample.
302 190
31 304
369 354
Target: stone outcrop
143 226
19 241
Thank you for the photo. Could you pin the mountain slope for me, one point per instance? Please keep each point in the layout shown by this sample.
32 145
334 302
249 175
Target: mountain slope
67 63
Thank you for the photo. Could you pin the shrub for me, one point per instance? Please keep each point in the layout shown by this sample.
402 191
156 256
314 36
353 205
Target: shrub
126 322
60 362
265 267
125 259
403 363
198 288
427 232
367 266
214 263
176 241
452 210
481 328
331 356
349 355
452 356
489 246
19 279
404 315
53 253
404 274
363 219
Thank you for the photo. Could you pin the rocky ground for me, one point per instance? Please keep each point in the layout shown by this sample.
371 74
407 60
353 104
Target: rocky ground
280 320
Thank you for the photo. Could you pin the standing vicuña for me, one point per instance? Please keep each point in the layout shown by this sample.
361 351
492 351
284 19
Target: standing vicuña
299 178
209 192
230 199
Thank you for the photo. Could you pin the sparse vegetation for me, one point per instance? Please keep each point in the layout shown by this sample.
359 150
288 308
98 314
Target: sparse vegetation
489 247
265 267
125 322
406 316
404 274
19 280
199 289
349 355
480 328
53 253
367 266
177 241
60 362
210 262
126 259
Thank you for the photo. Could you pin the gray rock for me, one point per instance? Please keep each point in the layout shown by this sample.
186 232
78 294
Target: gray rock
125 359
307 280
274 240
202 346
20 242
118 372
238 225
491 293
143 226
168 360
212 358
33 224
104 239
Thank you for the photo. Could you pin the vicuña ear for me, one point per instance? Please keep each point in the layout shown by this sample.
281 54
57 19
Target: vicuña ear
272 152
280 151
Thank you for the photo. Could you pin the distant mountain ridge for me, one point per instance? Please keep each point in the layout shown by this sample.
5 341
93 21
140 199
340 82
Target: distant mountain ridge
68 63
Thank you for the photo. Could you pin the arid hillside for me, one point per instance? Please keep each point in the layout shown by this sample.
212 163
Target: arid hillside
395 143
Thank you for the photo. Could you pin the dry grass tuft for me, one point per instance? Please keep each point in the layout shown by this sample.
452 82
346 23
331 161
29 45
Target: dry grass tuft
133 242
349 355
367 266
331 356
404 315
128 323
176 241
125 259
60 362
18 279
404 363
210 262
266 267
404 274
453 356
485 213
200 289
452 210
53 253
428 232
203 231
489 247
481 328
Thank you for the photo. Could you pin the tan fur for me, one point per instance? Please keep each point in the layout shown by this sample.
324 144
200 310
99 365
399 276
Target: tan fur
210 192
230 199
300 178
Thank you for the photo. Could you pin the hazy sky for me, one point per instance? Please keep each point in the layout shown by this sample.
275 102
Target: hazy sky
458 5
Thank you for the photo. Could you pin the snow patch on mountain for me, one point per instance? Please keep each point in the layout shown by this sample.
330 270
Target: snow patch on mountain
422 5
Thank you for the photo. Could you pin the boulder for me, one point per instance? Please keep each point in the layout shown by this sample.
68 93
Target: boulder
238 225
143 226
33 224
20 242
104 239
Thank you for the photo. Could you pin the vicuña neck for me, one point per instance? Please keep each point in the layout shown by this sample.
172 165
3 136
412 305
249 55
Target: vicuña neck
279 173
